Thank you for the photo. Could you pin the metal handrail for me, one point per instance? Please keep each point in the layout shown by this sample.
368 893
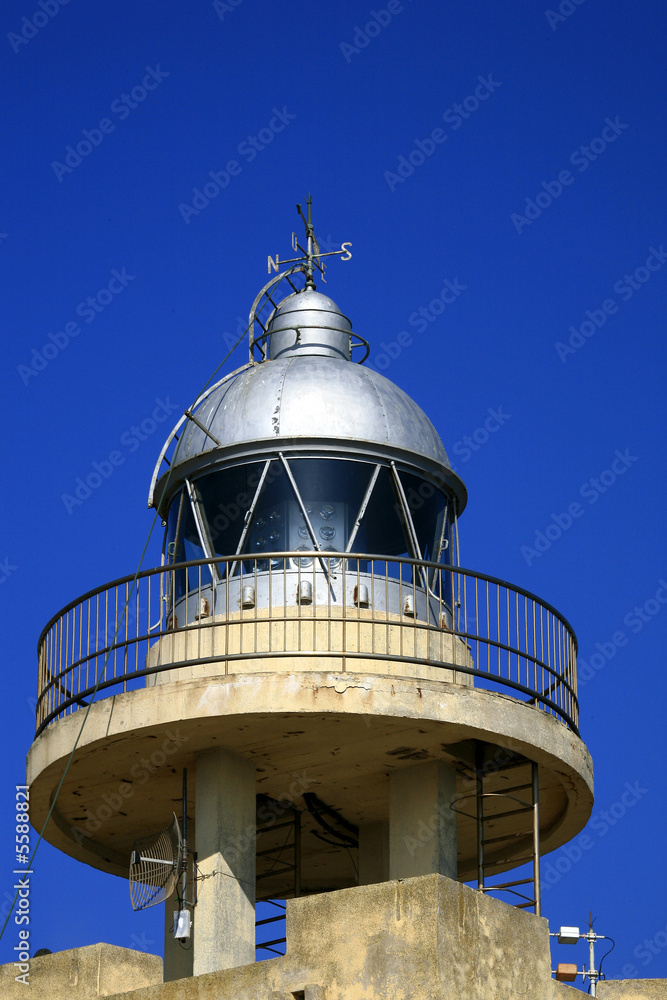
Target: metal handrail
532 645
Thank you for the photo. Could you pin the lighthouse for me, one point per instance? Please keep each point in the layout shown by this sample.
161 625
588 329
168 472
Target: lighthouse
310 685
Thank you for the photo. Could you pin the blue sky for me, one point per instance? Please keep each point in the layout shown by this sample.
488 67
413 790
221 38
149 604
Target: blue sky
512 150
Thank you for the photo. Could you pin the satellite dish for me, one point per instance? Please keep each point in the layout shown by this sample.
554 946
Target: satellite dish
155 865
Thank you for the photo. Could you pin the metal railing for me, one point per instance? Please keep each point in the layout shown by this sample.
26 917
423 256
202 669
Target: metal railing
350 609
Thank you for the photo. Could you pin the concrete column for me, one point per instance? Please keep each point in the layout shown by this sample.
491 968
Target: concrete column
374 853
225 818
422 826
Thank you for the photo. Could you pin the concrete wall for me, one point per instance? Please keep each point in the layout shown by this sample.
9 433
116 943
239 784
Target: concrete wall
426 938
633 989
83 974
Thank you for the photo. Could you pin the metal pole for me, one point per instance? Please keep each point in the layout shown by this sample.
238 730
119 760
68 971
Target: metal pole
479 761
184 820
536 837
592 973
297 853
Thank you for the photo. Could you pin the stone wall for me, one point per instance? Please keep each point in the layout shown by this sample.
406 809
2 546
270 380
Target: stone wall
99 970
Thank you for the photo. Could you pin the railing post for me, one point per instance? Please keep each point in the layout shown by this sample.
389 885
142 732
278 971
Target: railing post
479 790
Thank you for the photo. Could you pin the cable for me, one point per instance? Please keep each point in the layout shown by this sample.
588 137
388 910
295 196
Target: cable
316 807
102 671
613 945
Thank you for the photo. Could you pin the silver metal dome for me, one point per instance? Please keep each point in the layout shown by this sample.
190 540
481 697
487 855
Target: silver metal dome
308 402
309 322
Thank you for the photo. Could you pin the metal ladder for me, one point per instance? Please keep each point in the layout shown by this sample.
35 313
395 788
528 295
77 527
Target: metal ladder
274 841
525 799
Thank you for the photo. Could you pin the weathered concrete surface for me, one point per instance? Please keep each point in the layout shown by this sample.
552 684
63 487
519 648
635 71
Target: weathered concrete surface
427 938
348 731
633 989
374 853
422 824
338 633
225 911
563 991
83 974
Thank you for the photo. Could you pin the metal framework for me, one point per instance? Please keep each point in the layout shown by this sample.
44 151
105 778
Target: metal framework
496 807
277 837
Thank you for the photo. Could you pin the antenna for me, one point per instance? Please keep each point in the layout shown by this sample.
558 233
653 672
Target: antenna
566 972
156 863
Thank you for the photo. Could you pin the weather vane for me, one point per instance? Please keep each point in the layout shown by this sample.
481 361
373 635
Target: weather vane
312 254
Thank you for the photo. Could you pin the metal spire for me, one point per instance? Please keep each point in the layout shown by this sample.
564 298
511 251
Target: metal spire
312 249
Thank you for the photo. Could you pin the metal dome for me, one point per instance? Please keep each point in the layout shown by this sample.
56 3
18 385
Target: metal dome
309 401
309 322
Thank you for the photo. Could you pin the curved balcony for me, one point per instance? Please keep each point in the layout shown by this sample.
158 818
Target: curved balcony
282 611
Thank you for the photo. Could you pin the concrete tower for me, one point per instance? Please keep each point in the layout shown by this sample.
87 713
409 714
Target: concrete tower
352 707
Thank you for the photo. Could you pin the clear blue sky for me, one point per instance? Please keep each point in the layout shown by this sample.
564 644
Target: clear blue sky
540 199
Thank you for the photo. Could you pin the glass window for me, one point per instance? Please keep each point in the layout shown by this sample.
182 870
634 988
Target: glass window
331 490
426 505
183 544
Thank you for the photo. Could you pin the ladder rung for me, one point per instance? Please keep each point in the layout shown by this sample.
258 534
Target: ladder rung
460 812
269 920
274 850
509 812
514 788
267 944
507 836
507 885
514 862
276 871
274 826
